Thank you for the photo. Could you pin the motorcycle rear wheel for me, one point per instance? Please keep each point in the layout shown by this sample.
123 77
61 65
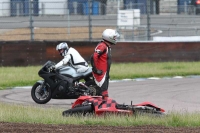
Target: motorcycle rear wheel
95 90
80 110
40 95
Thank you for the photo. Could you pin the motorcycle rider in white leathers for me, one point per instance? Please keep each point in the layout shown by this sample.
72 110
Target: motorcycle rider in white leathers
72 57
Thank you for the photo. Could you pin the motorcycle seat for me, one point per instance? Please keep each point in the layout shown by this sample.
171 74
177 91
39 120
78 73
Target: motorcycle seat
87 72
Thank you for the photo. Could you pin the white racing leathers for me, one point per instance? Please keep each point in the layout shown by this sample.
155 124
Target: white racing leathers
75 59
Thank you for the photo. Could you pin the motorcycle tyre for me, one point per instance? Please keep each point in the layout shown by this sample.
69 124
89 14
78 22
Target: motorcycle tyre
154 113
80 110
92 84
34 97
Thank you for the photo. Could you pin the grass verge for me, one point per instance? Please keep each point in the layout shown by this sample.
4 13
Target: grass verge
27 76
30 114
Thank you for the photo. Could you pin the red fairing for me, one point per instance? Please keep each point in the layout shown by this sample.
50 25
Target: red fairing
81 99
100 107
150 105
109 105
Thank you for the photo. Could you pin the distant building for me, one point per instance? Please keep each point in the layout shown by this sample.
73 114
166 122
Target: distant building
81 7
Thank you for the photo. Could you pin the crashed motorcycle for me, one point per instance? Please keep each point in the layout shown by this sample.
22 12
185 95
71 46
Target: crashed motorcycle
55 84
97 106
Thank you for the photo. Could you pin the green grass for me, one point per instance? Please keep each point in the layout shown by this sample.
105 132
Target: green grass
27 76
31 114
142 70
18 76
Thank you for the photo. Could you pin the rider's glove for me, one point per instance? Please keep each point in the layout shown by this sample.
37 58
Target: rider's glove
99 72
51 68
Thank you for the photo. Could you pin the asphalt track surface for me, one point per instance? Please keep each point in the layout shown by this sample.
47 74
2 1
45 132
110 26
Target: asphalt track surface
172 94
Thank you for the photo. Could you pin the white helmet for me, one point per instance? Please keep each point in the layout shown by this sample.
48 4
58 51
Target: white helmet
110 35
62 48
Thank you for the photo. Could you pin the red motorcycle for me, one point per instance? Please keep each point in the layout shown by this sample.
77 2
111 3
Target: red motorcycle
95 105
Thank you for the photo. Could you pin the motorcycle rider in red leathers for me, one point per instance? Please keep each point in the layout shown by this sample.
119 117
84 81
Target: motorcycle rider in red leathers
101 60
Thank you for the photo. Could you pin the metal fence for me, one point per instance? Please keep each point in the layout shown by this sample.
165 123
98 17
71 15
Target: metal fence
78 20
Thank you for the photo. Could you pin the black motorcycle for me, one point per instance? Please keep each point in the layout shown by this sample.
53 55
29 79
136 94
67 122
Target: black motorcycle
56 84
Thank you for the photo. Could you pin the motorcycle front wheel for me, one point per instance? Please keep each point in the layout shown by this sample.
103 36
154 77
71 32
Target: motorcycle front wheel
39 94
152 112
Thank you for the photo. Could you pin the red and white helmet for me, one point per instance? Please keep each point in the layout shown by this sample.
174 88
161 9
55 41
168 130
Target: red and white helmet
62 48
110 35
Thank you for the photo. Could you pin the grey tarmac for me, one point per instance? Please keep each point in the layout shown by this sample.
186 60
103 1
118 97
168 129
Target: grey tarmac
174 94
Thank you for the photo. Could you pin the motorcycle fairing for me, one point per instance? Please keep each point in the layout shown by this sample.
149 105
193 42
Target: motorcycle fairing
100 106
108 106
149 104
69 71
111 106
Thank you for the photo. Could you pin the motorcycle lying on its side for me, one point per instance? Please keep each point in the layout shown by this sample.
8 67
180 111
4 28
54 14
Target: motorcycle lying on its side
56 84
95 105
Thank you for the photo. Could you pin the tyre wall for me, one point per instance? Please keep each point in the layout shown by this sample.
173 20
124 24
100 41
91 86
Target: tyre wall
24 53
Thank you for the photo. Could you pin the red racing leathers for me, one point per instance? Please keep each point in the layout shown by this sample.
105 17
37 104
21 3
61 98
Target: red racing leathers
101 62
